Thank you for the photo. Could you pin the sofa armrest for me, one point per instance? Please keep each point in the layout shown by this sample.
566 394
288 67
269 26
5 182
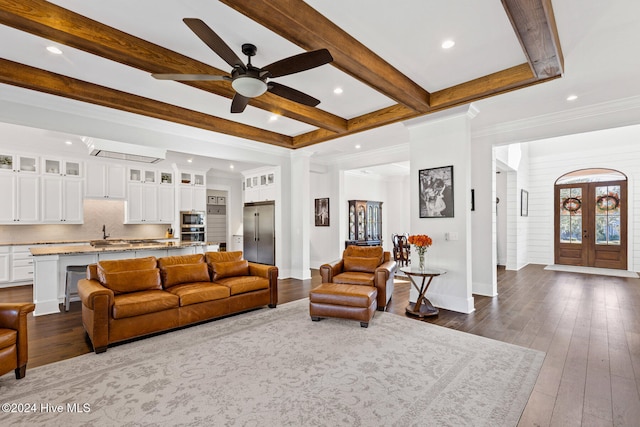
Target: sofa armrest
268 272
327 271
97 301
13 315
90 292
384 276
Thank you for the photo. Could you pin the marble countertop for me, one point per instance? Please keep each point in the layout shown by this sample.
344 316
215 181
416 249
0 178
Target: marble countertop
70 241
87 249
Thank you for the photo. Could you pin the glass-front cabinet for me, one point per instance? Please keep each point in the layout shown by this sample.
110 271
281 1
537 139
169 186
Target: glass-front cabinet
18 163
365 223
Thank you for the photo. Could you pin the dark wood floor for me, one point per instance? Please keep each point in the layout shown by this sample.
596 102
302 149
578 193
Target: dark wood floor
589 327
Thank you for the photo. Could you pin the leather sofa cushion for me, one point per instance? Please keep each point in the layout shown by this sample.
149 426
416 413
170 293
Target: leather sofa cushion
242 284
131 281
355 278
193 293
212 257
144 302
361 264
8 337
180 259
184 273
118 265
230 269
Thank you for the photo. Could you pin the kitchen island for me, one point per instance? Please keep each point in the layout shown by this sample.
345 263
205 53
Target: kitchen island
51 262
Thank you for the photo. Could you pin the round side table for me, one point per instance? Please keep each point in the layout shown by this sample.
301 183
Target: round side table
422 307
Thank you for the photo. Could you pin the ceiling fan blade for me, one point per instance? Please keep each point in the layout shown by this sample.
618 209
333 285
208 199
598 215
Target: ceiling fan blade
292 94
211 39
190 77
239 103
297 63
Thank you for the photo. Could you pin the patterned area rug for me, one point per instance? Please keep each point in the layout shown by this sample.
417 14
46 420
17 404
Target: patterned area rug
275 367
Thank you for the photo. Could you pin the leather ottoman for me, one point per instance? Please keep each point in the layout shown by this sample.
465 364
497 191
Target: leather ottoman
354 302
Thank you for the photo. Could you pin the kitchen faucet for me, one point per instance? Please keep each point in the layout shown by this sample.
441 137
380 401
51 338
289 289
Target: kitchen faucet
104 232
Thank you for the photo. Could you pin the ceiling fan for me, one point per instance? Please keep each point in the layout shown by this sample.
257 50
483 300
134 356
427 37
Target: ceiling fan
247 80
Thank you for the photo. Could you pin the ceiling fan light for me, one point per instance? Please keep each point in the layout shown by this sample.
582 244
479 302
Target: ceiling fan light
249 87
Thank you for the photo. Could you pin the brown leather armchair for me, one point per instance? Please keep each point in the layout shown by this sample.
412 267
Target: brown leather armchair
13 337
363 265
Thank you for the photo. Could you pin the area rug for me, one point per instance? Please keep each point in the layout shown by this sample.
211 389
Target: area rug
275 367
592 270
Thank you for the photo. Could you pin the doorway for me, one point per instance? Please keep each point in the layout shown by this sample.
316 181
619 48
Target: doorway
591 219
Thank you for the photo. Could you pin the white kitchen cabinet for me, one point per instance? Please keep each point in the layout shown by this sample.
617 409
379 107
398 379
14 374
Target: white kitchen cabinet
5 258
142 204
59 167
193 198
193 191
142 175
18 163
21 203
105 181
21 264
62 200
166 203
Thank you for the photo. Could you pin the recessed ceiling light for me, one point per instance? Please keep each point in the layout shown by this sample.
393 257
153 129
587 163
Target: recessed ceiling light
190 160
68 142
338 90
231 166
572 97
54 49
273 118
448 44
357 146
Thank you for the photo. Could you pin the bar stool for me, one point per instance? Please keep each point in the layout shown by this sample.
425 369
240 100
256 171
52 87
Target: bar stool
74 273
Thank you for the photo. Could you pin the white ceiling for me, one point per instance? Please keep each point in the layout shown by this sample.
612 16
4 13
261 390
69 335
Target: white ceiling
599 40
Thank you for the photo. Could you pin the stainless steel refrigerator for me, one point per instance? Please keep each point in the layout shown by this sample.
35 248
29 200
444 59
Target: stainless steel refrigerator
259 232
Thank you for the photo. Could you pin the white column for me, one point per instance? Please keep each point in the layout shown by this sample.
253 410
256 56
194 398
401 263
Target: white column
301 211
445 141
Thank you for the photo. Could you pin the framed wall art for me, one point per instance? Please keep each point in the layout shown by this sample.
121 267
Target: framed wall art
322 212
436 192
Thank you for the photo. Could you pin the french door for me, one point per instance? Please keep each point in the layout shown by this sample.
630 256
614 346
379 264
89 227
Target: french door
591 224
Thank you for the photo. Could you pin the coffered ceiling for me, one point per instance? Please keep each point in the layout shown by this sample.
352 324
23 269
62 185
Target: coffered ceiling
387 60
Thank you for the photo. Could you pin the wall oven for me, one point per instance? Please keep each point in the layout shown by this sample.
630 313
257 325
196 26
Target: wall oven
192 226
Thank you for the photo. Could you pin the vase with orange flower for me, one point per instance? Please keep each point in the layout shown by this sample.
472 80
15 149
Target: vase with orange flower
421 243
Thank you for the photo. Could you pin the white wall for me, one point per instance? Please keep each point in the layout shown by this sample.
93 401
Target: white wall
439 143
327 243
552 158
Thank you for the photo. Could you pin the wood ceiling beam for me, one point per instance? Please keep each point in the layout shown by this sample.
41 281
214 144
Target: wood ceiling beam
494 84
298 22
55 23
40 80
535 27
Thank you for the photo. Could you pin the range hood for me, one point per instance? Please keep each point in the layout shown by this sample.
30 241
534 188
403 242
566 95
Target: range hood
123 151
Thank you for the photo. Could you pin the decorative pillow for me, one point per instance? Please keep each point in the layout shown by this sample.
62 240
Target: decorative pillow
184 273
212 257
361 264
131 281
130 264
179 259
230 269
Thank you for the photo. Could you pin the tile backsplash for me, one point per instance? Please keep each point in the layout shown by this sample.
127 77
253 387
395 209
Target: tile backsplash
96 213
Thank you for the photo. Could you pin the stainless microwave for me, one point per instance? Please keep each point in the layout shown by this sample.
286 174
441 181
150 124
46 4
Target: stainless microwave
191 218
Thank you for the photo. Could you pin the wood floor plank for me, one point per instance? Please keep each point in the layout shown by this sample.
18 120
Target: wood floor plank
589 327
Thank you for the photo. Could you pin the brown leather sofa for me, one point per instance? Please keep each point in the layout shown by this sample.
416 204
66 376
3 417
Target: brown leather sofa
124 299
13 337
363 265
